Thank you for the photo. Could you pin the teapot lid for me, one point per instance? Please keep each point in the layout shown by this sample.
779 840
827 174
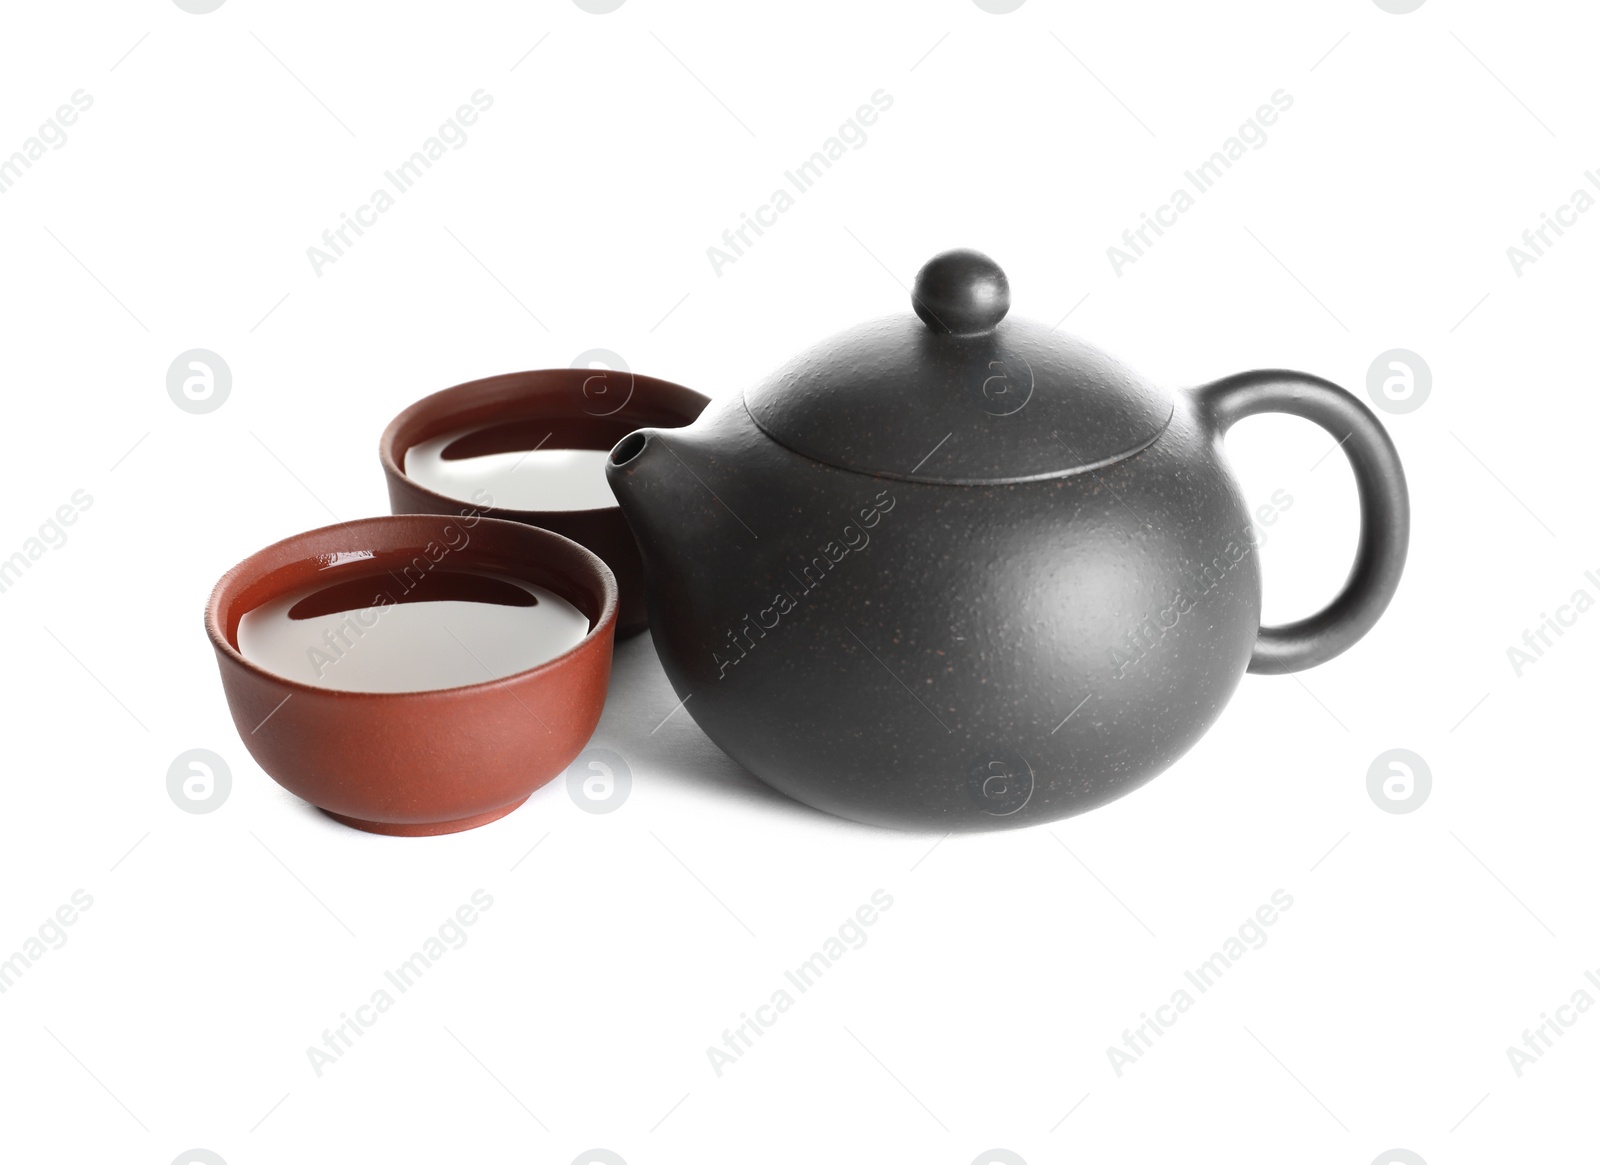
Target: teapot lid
958 394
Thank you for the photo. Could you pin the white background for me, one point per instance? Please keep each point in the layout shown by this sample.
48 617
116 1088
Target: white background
220 946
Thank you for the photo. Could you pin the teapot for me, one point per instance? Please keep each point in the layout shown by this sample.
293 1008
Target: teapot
951 570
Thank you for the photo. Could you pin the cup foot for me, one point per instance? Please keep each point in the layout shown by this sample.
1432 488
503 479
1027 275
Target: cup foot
424 828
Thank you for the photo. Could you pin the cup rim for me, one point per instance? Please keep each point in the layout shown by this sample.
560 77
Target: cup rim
246 571
669 395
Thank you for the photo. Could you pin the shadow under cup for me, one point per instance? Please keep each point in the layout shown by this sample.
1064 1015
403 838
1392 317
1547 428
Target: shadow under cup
557 408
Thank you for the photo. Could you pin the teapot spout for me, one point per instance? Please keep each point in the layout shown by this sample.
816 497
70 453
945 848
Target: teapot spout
674 486
686 494
625 453
651 495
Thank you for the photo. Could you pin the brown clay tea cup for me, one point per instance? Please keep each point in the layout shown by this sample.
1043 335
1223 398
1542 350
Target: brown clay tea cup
529 414
438 759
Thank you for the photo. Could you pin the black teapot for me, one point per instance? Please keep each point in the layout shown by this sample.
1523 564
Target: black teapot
952 570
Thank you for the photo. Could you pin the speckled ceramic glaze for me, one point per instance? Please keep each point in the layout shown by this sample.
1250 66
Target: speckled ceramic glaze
951 571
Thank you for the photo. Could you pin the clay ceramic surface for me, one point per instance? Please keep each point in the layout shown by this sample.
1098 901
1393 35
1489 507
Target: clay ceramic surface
420 762
954 570
556 408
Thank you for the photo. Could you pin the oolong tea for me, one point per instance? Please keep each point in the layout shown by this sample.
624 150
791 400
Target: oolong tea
519 479
394 632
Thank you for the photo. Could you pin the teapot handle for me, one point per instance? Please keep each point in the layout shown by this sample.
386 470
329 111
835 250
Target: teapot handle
1380 486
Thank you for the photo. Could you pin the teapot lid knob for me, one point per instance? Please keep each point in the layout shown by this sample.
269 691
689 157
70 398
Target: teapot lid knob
963 292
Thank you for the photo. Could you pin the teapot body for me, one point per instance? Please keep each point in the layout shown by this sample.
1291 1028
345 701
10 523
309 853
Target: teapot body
1016 621
944 657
